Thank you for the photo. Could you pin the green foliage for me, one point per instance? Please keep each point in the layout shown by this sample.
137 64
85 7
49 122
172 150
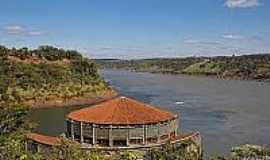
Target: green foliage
69 150
46 73
251 152
247 151
206 67
128 155
13 126
13 118
236 67
172 152
12 147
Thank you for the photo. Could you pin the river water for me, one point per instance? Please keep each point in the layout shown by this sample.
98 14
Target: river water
226 112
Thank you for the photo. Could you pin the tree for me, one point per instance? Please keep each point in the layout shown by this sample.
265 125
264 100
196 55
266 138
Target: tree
13 118
45 75
13 128
250 152
172 152
12 147
70 150
128 155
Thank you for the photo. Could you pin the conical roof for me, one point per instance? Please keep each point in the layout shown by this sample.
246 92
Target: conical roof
48 140
121 110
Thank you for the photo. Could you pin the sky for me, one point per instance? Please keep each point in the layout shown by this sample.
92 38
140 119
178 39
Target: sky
129 29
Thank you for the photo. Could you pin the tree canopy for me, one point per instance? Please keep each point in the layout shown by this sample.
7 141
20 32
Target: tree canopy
46 73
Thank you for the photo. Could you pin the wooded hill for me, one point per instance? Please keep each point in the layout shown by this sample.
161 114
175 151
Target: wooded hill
46 73
247 67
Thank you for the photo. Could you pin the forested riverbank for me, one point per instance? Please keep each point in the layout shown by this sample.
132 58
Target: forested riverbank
49 76
245 67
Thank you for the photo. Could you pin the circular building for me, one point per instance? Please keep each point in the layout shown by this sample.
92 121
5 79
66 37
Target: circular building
121 122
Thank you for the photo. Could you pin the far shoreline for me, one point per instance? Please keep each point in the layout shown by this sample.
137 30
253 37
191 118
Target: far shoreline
191 75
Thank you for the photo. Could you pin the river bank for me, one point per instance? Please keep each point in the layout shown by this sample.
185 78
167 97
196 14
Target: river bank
73 101
49 77
245 67
200 75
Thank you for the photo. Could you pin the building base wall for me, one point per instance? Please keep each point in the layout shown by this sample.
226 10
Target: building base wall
193 139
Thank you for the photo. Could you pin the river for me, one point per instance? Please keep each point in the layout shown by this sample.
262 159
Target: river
226 112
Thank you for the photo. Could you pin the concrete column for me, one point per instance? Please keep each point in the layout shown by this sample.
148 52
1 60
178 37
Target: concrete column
169 130
93 134
26 145
158 137
81 131
128 135
176 127
72 129
110 136
38 148
144 134
67 129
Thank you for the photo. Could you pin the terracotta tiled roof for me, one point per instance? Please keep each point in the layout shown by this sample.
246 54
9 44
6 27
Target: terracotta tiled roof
48 140
121 110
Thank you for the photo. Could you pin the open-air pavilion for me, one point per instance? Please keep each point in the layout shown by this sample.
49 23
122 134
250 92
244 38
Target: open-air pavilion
121 122
116 125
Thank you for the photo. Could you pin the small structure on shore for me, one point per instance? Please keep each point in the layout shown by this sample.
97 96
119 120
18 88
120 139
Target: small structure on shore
119 124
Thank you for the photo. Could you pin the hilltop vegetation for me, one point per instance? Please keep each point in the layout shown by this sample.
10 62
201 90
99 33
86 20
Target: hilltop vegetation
247 67
47 73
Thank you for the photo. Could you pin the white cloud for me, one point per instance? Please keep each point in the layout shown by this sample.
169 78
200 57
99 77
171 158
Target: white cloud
109 48
34 33
190 41
201 42
232 36
242 3
21 31
14 30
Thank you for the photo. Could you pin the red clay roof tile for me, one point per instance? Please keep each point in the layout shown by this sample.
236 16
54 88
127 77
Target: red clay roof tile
121 110
44 139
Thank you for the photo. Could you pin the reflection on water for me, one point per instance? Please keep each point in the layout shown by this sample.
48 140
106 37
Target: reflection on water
226 112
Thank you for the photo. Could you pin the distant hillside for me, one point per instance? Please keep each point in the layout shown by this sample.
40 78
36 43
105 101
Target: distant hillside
47 74
246 67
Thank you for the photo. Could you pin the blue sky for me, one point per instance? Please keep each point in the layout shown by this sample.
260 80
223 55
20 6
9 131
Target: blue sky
139 28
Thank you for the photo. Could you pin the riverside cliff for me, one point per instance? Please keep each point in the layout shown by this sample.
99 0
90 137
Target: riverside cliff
49 76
